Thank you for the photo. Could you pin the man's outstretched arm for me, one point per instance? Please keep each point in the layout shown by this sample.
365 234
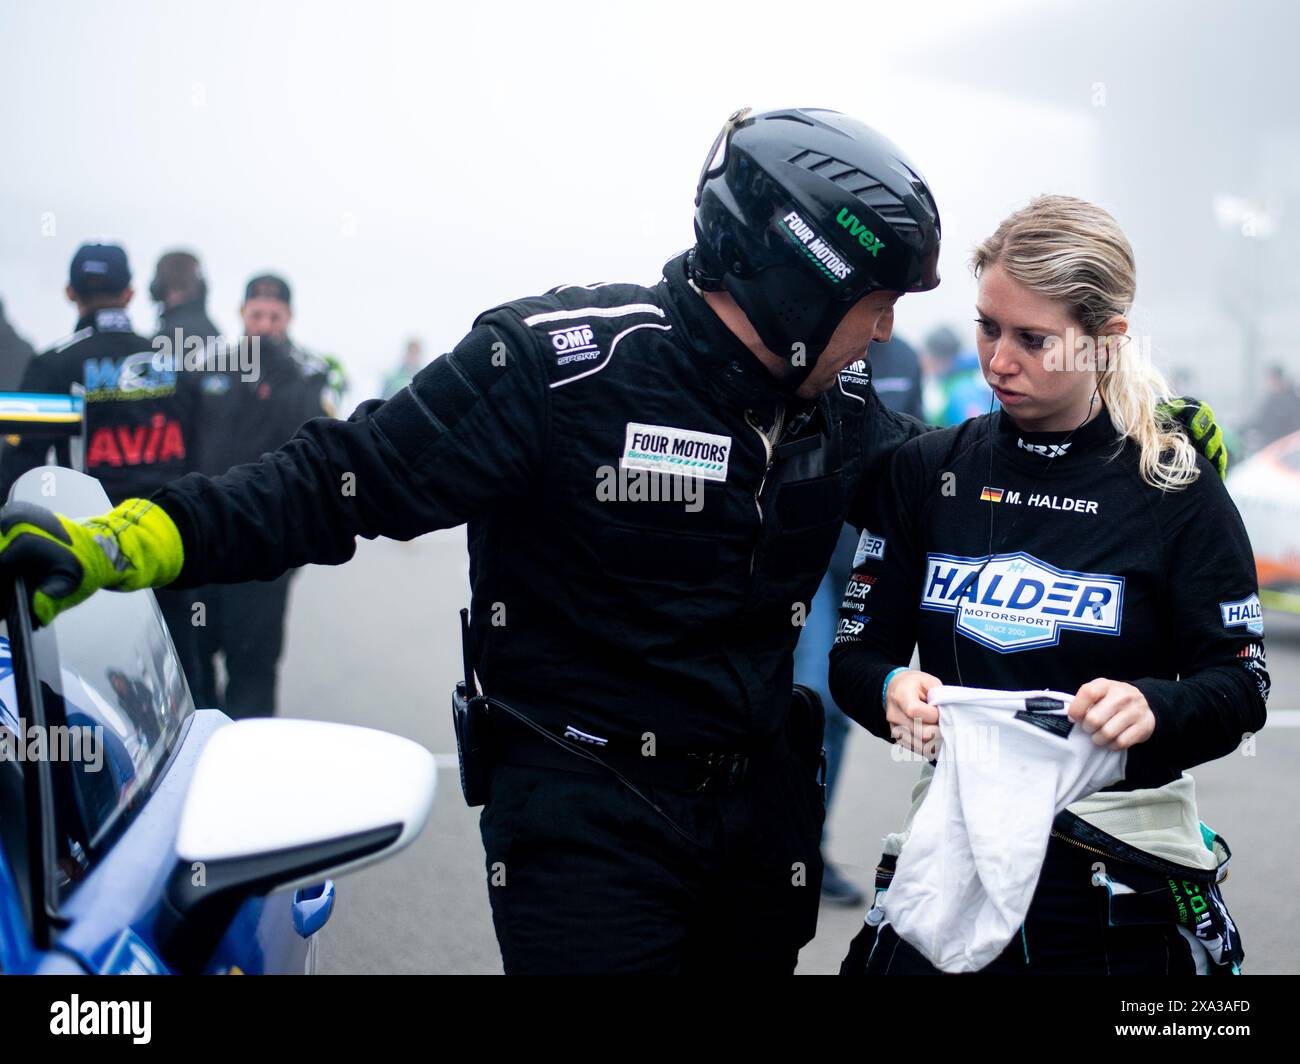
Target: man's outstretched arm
465 436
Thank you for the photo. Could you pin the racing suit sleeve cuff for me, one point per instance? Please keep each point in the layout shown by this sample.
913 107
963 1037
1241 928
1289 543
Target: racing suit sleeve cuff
172 505
856 685
1148 763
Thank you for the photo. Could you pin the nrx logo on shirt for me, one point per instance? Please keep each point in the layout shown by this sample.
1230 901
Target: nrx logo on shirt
1016 602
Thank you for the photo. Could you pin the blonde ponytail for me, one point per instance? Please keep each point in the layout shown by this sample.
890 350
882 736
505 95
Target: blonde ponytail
1132 389
1073 251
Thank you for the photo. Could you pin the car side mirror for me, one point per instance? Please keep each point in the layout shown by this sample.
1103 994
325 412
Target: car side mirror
280 803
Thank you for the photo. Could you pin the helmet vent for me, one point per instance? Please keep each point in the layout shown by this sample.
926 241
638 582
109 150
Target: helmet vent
849 178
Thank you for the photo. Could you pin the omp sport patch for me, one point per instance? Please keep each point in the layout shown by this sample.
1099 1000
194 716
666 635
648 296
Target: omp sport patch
1017 602
574 343
1243 613
869 546
684 452
858 372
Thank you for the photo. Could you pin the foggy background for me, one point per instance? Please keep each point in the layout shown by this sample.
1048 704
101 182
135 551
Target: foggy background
406 166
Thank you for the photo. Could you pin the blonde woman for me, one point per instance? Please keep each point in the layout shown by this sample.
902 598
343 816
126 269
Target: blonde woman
1072 540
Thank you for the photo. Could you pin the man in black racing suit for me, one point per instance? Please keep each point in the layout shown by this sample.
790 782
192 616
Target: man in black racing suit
629 612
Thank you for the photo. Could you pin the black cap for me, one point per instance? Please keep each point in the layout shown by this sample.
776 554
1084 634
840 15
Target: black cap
99 269
267 286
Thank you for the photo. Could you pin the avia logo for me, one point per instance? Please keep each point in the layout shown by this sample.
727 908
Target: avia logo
161 440
1016 602
865 236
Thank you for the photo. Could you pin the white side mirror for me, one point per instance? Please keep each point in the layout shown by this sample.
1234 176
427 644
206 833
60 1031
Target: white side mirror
267 785
279 803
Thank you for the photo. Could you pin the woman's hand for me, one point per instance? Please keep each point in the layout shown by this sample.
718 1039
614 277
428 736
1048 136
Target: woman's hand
912 721
1115 714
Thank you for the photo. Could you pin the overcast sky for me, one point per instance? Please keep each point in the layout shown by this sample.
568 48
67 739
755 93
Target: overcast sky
408 165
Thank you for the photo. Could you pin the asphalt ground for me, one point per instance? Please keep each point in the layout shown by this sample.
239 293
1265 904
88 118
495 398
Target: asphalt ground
376 642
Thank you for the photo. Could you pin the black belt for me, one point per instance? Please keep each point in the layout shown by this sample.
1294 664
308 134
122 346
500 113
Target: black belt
515 743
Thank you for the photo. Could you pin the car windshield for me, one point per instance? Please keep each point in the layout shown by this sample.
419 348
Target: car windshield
115 696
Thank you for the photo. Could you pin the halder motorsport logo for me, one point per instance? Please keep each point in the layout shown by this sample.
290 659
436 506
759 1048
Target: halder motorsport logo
1019 602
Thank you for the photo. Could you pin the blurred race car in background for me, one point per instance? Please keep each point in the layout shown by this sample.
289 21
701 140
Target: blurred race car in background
1266 489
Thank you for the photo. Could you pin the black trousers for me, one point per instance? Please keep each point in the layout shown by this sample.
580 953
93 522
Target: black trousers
1066 932
585 877
246 623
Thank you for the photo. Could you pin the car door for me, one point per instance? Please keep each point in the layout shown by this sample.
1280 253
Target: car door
104 689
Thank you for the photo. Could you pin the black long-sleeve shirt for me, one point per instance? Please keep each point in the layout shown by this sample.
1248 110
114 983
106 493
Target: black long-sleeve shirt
1094 573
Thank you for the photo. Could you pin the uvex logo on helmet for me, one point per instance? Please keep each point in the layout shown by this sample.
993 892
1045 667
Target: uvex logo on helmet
865 236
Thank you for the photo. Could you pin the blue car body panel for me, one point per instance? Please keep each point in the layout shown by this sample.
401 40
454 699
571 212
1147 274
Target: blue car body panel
108 918
124 891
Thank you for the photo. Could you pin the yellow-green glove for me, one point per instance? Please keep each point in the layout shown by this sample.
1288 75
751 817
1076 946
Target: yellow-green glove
133 546
1197 420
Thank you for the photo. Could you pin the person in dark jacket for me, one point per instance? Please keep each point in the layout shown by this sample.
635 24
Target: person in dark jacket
15 354
895 374
250 405
180 292
653 479
1278 414
138 420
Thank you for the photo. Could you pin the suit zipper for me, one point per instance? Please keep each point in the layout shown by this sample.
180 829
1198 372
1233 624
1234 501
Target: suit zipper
769 449
1082 845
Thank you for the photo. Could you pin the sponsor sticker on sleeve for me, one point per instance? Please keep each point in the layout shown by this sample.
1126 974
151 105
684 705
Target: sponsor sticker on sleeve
1243 613
869 546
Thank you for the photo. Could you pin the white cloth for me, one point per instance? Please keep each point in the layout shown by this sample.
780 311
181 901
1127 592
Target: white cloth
1009 762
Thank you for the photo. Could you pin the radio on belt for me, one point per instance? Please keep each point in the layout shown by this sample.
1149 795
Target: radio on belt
469 719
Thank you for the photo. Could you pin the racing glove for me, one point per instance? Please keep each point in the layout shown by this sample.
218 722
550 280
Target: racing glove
1197 420
133 546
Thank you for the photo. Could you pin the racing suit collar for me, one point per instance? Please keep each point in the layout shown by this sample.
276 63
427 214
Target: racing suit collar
731 364
106 319
1034 450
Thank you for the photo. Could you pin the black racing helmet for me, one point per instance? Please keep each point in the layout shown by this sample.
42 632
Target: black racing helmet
800 213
